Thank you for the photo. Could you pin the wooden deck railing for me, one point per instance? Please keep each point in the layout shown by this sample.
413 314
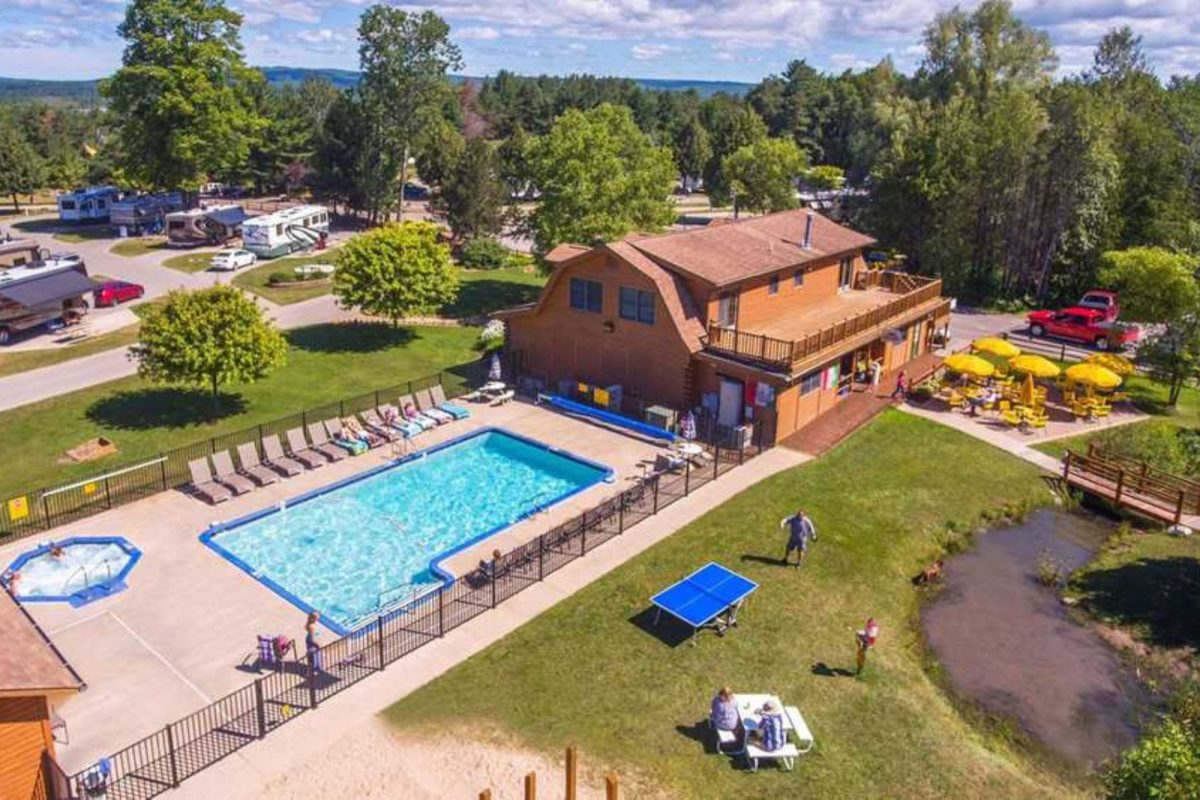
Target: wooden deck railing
1124 480
783 353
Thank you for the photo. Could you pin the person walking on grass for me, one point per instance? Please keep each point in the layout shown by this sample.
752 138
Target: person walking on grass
801 531
866 641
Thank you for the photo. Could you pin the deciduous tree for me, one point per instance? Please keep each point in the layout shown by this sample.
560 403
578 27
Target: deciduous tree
763 175
21 168
396 271
208 337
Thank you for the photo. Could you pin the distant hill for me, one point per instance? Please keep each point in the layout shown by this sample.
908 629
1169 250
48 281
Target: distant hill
15 90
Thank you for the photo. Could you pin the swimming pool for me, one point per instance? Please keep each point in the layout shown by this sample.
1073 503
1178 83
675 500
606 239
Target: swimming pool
352 548
78 570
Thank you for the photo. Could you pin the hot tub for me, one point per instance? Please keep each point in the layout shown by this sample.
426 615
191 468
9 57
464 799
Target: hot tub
79 570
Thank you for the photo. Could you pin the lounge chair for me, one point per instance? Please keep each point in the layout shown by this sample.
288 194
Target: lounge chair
320 442
438 395
371 419
252 466
227 475
410 412
668 462
351 435
503 397
270 653
203 483
392 416
301 451
276 460
429 408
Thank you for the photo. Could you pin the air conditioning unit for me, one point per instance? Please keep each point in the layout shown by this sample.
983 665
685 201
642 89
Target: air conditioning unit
662 417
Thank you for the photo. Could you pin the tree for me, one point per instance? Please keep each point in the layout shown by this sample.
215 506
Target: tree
473 195
1166 762
208 337
763 175
732 126
396 271
693 149
1160 286
21 168
182 99
404 58
438 147
600 178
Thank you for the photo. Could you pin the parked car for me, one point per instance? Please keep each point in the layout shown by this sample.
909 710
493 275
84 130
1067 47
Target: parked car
1102 300
113 293
1083 325
233 259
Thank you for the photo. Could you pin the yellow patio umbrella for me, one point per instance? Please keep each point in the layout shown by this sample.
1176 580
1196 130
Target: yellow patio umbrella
1112 362
1036 366
1027 390
996 346
1094 375
971 365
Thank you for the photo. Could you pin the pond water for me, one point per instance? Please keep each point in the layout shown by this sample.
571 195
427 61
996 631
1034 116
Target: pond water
1006 642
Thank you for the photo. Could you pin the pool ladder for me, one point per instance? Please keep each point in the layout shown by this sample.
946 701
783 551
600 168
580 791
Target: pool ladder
86 583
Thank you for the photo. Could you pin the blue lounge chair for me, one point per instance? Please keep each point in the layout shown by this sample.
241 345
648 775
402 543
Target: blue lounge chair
410 412
391 416
429 408
438 396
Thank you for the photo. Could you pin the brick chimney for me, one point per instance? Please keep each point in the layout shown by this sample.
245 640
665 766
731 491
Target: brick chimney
808 222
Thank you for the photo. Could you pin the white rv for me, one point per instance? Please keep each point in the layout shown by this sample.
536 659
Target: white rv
201 226
283 232
92 204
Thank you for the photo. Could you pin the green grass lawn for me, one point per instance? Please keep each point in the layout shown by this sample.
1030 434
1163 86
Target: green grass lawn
255 279
20 361
139 246
592 671
326 363
486 290
190 262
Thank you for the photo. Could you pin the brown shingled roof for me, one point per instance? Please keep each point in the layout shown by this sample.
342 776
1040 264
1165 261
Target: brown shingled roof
671 289
28 662
564 252
735 251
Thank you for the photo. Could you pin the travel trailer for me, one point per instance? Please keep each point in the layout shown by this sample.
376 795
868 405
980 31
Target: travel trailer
144 213
34 295
283 232
93 204
18 252
201 226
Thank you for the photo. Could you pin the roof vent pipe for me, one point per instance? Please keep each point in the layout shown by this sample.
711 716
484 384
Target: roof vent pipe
808 231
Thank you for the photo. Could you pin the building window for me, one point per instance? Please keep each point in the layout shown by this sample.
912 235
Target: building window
637 305
586 295
773 286
845 274
798 278
810 382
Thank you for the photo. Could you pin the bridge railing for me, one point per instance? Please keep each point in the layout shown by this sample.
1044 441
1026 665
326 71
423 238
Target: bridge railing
1129 480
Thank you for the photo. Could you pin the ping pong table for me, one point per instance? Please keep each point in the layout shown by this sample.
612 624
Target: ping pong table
710 596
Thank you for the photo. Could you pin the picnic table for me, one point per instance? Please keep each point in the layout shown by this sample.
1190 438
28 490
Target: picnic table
749 707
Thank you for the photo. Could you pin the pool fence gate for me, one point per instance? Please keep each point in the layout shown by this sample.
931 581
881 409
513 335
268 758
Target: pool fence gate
169 756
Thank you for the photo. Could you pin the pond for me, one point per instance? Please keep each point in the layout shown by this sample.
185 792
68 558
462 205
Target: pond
1005 641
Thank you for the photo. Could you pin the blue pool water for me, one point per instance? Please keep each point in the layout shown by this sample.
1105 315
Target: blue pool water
348 550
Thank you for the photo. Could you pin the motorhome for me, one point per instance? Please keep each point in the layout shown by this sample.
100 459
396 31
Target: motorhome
34 295
93 204
18 252
201 226
144 213
283 232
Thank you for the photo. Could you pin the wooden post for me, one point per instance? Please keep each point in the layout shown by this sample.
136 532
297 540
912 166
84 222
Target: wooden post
572 773
611 790
531 786
1142 477
486 794
1120 485
1179 508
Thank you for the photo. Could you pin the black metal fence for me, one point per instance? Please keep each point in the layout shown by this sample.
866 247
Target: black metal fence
169 756
41 509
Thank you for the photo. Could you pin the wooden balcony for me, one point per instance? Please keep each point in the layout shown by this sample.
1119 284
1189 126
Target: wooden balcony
879 301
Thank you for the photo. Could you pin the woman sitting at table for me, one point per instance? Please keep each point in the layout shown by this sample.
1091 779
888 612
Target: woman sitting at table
770 727
723 713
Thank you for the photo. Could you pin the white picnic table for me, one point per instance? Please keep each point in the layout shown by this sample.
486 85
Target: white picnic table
749 707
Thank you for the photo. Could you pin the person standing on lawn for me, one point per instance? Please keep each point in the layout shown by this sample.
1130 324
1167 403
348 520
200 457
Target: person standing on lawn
866 641
801 531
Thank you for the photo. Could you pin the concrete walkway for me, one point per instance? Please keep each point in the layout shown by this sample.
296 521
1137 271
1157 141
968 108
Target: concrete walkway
246 772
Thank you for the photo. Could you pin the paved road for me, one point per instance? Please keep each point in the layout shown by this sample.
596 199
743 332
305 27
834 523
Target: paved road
967 325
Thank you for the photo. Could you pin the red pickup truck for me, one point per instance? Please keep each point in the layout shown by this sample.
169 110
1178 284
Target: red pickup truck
1083 325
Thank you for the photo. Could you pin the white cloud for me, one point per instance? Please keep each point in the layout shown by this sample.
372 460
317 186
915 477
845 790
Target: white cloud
650 52
478 32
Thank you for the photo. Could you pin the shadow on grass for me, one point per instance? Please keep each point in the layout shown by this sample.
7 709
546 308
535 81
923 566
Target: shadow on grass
53 225
146 409
823 670
350 337
483 296
669 630
700 732
769 560
1162 596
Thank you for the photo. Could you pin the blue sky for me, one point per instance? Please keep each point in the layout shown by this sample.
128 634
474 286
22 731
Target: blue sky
739 40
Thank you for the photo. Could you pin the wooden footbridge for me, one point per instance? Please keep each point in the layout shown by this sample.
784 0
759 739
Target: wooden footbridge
1134 485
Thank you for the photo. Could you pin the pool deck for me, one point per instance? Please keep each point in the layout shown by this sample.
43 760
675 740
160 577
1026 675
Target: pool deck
174 640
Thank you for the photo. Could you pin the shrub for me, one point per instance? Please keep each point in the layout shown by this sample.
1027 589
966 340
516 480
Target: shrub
1159 443
484 254
276 278
492 335
1165 764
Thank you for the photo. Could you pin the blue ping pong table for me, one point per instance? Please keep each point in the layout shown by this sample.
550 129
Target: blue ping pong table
710 596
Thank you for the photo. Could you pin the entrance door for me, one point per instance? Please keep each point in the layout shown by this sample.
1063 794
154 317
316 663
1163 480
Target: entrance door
915 346
727 310
729 412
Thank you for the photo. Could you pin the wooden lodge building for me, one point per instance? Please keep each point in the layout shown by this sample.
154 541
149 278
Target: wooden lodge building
758 321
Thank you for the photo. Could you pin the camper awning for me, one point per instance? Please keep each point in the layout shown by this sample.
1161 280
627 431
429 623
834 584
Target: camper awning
228 216
48 289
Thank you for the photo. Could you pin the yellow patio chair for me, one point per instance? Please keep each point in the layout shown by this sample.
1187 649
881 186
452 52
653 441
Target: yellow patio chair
1119 397
1011 417
955 399
1038 420
1005 405
1101 410
1080 409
